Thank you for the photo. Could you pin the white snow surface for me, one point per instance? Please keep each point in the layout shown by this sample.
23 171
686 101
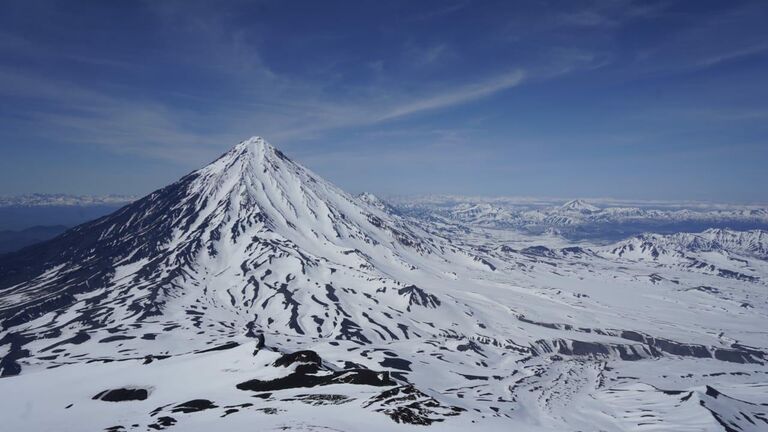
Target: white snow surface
495 329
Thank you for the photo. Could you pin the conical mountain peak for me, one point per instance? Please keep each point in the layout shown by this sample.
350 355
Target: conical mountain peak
252 218
254 148
579 205
253 158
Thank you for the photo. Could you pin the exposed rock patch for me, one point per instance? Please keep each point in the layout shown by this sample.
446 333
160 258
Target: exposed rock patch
122 395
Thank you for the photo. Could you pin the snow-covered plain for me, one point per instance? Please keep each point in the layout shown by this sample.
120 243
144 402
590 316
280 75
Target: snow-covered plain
254 295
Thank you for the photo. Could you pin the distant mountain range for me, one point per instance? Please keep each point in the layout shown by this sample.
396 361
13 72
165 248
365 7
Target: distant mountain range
44 212
654 246
47 200
582 219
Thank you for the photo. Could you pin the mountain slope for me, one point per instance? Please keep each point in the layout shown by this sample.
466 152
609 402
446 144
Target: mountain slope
252 232
252 287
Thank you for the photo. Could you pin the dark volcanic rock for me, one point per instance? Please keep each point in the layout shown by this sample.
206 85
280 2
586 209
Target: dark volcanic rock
150 358
226 346
116 338
308 365
419 297
406 404
321 399
8 364
194 405
309 361
302 380
122 395
396 363
162 423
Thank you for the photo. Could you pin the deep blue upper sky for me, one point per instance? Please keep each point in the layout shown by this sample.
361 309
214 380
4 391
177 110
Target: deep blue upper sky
639 100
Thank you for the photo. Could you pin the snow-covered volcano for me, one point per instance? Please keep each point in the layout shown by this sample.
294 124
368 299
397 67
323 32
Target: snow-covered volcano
580 206
253 287
253 237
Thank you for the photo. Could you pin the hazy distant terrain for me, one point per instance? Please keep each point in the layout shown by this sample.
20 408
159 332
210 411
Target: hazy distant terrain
14 240
28 219
584 219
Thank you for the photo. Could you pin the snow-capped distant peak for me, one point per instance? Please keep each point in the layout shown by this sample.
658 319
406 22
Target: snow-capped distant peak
579 206
63 200
369 198
748 243
376 202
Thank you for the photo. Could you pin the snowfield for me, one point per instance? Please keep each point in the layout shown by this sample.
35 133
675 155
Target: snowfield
254 295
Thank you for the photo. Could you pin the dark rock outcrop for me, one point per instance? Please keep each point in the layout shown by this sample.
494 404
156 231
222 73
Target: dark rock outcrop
303 380
307 361
408 405
122 395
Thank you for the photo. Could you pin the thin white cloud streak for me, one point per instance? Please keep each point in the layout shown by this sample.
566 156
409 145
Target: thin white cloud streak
73 113
588 18
709 42
270 104
457 96
732 55
391 104
68 113
424 56
446 9
281 107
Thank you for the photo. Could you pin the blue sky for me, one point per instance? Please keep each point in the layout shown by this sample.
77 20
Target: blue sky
605 98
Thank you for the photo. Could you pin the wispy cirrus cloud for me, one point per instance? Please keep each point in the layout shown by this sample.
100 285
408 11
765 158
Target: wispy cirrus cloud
730 55
446 8
73 113
455 96
250 96
178 82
